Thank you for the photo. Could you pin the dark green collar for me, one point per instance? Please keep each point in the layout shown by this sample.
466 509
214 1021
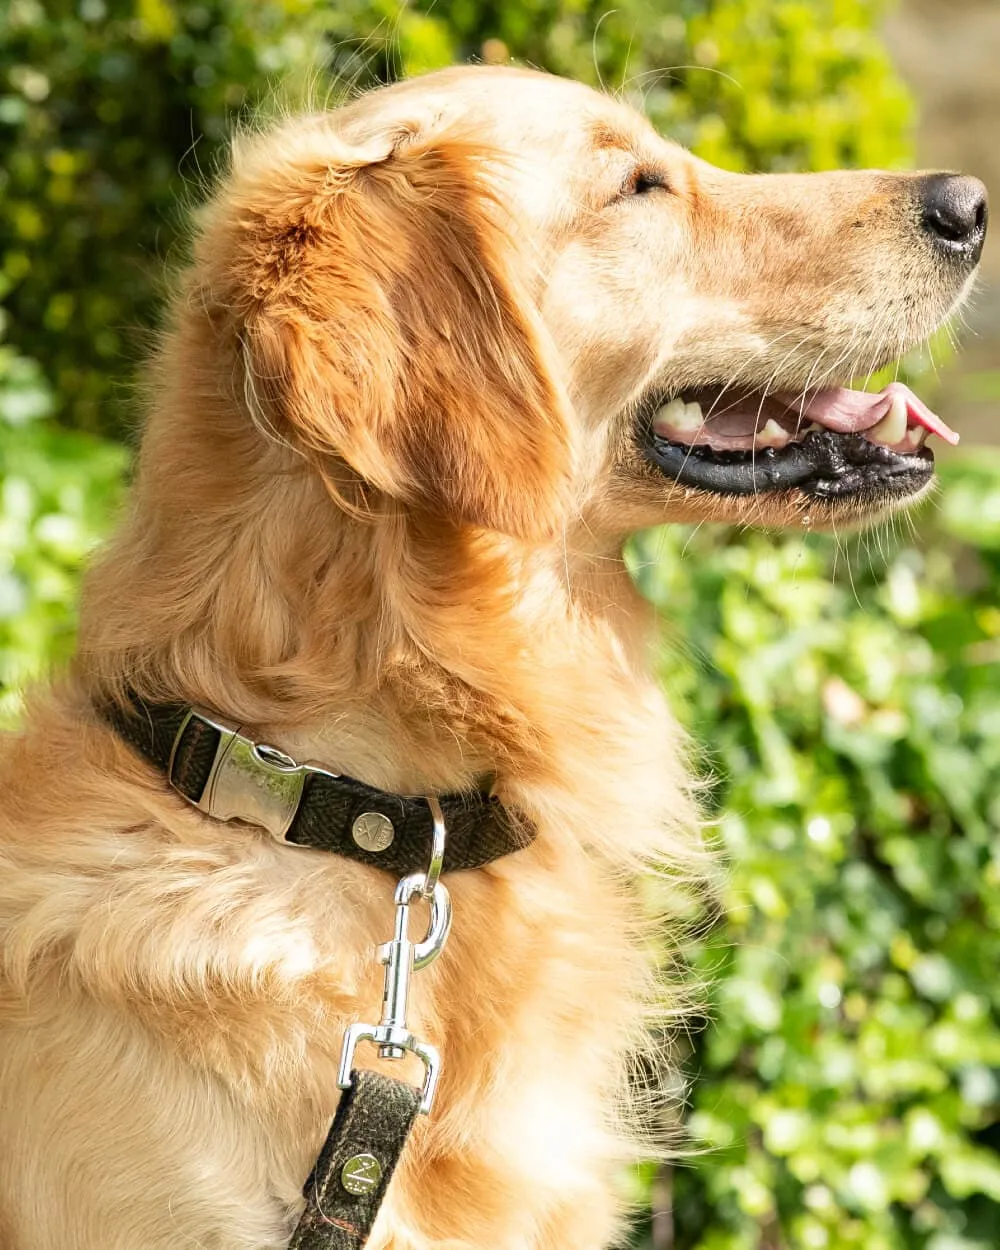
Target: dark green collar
228 776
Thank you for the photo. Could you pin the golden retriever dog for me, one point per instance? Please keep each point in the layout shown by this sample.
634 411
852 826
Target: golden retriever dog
437 354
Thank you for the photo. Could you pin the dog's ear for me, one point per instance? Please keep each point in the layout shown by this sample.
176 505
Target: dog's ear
389 330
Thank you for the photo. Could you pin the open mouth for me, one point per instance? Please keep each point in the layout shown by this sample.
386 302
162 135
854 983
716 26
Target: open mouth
830 444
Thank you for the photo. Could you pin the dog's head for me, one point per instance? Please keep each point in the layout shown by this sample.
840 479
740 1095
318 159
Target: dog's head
501 298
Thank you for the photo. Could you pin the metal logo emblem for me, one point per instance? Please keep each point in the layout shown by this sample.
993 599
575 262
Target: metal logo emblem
360 1174
373 832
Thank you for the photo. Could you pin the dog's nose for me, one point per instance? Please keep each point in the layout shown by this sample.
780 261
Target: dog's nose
954 213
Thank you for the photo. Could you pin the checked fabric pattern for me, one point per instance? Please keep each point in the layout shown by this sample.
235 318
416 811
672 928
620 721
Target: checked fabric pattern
480 828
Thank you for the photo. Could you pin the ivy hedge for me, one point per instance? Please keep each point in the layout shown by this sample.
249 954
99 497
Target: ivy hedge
845 1090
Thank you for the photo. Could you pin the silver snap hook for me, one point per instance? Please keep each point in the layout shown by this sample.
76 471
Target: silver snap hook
401 957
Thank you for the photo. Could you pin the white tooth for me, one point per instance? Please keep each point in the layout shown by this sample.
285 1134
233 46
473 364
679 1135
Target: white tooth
892 428
679 418
915 438
671 416
673 410
772 435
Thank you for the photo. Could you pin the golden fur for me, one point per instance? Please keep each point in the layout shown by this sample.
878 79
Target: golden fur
386 474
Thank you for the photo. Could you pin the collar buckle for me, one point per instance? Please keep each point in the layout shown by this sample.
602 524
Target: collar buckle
248 781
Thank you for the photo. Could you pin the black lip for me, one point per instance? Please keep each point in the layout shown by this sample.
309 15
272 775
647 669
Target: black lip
824 465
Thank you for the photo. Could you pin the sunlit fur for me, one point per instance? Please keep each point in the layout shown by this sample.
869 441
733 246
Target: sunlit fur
388 465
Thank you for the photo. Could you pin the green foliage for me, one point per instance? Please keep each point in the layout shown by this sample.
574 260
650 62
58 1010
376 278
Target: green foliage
801 86
846 1092
108 109
57 491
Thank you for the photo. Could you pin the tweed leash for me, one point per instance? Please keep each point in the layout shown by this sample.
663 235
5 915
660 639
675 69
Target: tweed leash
227 775
352 1173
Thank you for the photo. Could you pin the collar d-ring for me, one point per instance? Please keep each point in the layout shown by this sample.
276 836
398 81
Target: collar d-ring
433 873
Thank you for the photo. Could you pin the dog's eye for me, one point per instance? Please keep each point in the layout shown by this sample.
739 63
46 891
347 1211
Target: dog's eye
642 181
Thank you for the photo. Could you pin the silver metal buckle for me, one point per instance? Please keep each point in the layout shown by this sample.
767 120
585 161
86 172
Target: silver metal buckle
248 780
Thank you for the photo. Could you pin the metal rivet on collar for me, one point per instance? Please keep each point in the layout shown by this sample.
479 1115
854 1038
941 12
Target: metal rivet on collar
372 831
361 1173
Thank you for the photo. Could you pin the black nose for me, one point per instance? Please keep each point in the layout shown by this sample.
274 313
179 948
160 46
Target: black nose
954 213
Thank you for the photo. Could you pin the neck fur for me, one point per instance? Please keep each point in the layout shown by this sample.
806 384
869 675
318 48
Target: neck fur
405 651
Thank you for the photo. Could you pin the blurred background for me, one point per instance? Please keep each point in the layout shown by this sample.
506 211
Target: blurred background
845 1088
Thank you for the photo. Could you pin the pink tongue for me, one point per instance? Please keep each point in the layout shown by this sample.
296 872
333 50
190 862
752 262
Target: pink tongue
851 412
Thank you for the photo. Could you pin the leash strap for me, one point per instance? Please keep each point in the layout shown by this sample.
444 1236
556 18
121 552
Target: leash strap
345 1190
230 777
